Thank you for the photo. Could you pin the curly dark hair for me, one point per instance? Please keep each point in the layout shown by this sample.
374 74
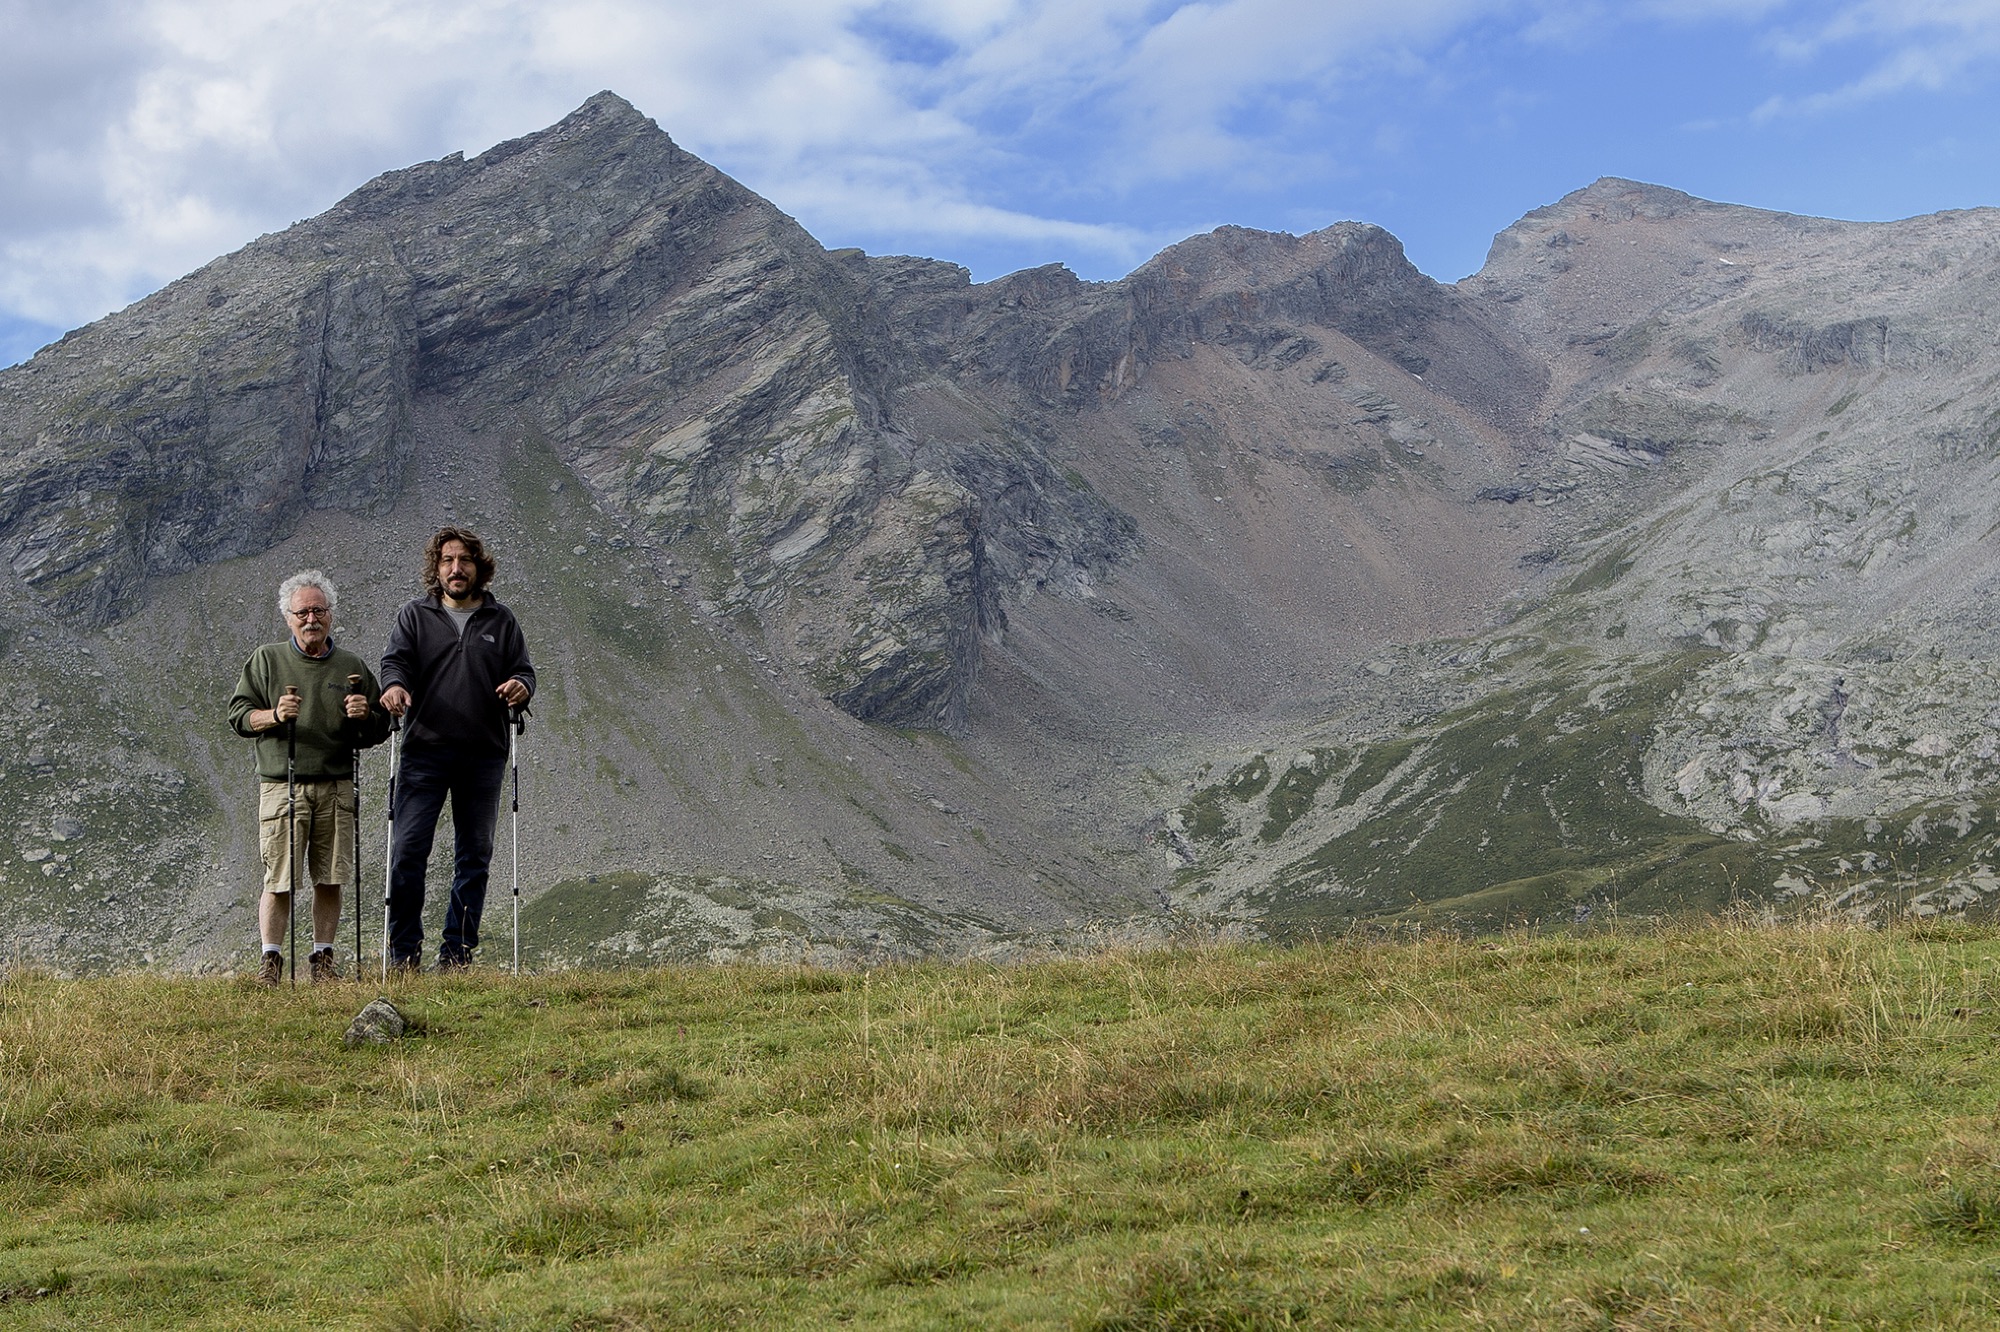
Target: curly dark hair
483 563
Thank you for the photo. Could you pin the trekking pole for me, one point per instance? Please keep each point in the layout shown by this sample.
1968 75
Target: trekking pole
354 827
291 840
389 853
518 723
312 911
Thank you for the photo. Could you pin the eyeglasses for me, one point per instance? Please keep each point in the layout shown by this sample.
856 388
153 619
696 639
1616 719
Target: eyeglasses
311 612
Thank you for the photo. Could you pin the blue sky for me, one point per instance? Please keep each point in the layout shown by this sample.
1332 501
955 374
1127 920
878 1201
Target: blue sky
141 138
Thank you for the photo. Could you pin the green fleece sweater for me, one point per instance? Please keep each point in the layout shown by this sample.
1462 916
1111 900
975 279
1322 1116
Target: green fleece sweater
327 737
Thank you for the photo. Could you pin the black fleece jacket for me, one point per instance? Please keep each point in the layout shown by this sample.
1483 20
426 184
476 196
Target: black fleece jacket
451 677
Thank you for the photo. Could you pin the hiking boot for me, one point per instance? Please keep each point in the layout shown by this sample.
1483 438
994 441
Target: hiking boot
405 967
272 970
454 959
322 966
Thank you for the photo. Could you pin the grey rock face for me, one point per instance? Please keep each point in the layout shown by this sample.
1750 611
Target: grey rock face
709 371
1765 453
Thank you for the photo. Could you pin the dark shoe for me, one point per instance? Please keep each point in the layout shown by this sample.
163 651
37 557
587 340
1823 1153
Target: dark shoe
405 967
454 959
272 970
322 966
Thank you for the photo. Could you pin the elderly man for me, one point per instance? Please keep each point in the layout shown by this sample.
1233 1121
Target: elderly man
455 668
300 700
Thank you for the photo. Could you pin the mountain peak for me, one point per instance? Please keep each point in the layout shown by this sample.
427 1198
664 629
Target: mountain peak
608 103
604 113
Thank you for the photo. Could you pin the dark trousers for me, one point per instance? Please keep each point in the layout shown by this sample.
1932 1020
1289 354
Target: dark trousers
428 774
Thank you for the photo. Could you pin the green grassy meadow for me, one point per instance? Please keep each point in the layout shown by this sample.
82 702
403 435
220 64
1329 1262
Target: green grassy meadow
1713 1126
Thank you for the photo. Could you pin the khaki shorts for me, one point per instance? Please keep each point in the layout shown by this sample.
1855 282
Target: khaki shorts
322 835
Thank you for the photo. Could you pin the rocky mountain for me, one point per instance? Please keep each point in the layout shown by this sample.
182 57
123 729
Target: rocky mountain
1761 667
880 611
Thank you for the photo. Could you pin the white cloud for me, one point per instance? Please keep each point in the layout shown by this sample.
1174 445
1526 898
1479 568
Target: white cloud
1923 46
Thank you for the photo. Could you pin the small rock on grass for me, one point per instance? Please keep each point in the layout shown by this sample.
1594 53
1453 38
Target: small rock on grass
377 1024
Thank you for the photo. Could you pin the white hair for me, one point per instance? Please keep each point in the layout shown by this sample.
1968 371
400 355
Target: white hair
307 578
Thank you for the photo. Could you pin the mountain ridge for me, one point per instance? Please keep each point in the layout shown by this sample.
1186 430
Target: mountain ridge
996 585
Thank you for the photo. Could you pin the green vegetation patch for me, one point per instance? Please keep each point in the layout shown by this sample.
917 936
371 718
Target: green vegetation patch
1292 795
1246 782
1209 817
1938 858
1713 1126
589 907
1520 808
1357 472
1605 570
1373 767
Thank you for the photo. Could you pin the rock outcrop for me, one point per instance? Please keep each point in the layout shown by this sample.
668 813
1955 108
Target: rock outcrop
708 370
